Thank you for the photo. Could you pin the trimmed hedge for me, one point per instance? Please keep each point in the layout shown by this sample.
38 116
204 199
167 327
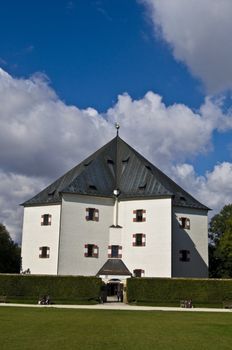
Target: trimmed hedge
59 288
171 290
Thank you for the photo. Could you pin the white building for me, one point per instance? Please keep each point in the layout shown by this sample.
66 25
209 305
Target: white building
115 215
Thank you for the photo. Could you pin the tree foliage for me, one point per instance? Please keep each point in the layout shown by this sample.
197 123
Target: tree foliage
10 259
220 248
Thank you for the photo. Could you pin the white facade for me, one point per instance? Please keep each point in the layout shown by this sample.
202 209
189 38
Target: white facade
154 258
70 232
36 236
76 232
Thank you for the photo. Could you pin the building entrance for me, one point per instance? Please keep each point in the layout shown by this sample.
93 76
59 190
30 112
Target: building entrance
114 291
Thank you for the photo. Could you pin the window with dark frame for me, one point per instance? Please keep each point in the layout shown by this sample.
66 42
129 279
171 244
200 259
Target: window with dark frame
92 214
184 223
139 215
91 251
114 251
139 240
184 255
46 219
44 252
138 272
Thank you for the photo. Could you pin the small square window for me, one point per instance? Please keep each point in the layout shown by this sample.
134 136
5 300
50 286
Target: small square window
92 214
138 272
139 215
115 251
44 252
46 219
91 251
139 240
184 223
184 255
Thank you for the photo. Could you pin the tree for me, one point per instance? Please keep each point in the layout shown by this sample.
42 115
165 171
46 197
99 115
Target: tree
10 254
220 247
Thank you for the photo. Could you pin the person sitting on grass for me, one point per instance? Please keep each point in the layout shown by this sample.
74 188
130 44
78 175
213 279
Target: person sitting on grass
45 300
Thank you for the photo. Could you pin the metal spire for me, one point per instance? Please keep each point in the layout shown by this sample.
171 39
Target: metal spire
117 127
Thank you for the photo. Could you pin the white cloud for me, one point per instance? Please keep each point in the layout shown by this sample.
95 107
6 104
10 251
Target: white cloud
213 189
14 189
199 33
168 134
39 133
41 138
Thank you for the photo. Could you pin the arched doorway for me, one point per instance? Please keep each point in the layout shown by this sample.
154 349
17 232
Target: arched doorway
114 290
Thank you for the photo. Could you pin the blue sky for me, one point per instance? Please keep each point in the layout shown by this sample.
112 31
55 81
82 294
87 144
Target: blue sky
92 51
70 69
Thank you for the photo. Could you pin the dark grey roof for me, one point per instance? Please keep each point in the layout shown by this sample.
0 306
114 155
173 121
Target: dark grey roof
114 267
116 166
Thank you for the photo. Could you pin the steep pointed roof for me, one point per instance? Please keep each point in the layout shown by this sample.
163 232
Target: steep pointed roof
116 166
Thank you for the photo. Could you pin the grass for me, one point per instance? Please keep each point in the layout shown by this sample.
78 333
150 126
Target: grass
48 328
173 304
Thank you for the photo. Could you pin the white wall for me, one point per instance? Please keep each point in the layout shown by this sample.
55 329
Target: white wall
155 257
76 232
194 239
36 235
158 258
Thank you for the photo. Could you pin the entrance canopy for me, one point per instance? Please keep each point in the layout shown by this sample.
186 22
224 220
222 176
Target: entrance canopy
114 267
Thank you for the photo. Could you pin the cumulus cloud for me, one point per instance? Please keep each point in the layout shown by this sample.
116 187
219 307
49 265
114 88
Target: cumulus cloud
14 188
168 134
41 138
215 187
39 134
198 32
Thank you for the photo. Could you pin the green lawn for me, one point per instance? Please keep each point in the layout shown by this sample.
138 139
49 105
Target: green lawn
54 329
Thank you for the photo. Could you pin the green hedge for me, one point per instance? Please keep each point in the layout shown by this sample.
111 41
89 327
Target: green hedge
171 290
59 288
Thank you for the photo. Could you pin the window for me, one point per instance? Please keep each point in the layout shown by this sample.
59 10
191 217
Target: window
125 163
139 215
184 255
138 273
88 163
148 167
139 240
91 251
142 187
46 219
92 214
115 251
44 252
184 223
110 163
